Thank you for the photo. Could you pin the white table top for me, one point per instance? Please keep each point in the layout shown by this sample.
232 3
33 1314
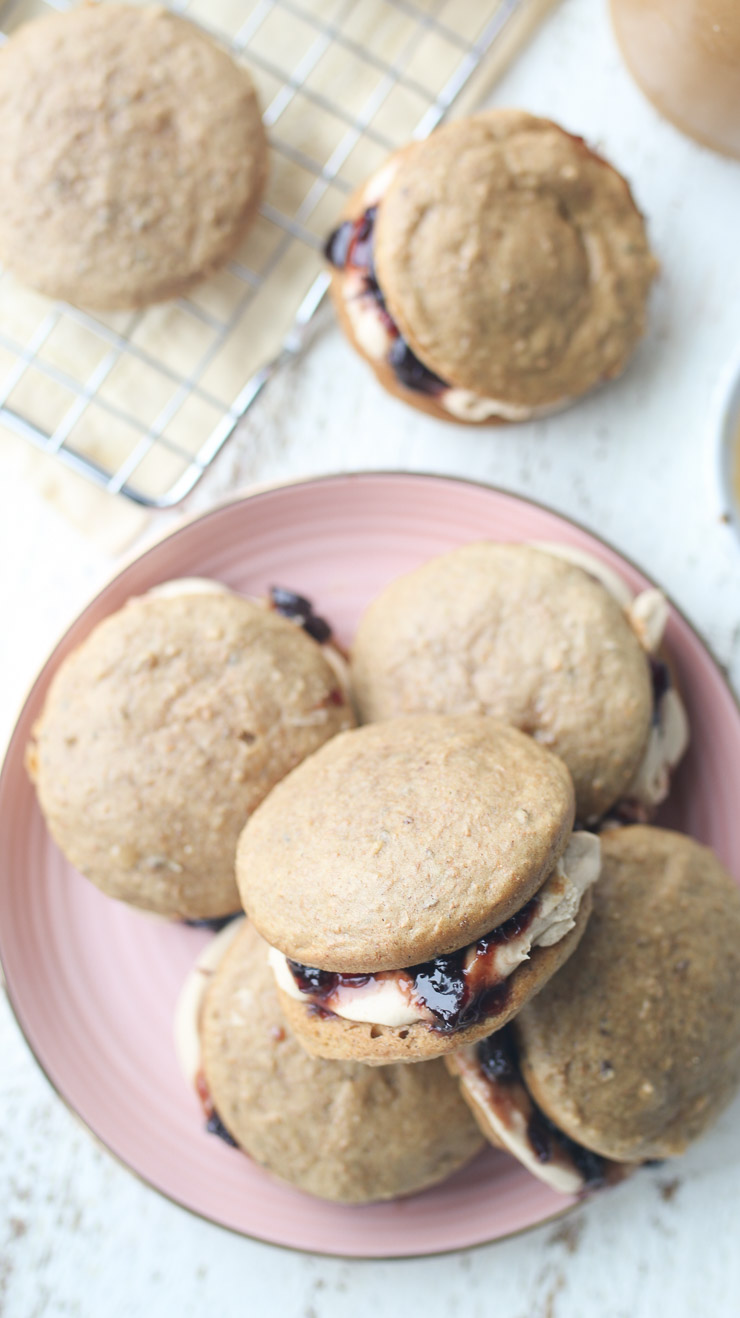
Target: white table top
78 1234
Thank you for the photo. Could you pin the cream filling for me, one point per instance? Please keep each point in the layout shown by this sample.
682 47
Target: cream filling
507 1110
647 614
186 1025
189 586
206 586
388 998
373 336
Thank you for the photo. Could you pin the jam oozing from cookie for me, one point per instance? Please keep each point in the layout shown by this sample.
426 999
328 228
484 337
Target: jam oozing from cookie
214 1124
351 246
213 923
499 1062
660 676
457 989
299 609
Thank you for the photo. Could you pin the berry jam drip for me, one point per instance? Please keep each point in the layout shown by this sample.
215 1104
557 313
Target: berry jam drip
351 246
497 1056
412 373
542 1134
214 1124
216 923
457 994
300 610
322 983
499 1061
660 675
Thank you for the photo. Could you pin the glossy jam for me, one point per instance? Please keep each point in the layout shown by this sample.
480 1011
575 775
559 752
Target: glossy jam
457 994
351 246
214 1124
498 1060
215 923
299 609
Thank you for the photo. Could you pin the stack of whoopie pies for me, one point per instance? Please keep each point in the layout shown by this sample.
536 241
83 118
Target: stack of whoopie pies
460 922
455 929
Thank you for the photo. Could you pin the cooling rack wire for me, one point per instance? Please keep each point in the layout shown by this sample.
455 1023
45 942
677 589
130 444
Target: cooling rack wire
142 402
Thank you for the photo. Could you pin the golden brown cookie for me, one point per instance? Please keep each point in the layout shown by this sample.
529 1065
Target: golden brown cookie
334 1129
404 873
522 634
164 730
132 155
495 271
633 1048
656 1053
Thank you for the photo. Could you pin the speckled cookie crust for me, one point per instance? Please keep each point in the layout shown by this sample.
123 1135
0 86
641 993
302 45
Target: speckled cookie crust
403 840
513 259
326 1035
132 155
634 1047
334 1129
511 631
164 730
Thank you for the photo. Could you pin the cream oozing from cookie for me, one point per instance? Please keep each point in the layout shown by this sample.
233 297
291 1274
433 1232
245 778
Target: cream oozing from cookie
379 337
186 1024
647 614
492 1084
453 991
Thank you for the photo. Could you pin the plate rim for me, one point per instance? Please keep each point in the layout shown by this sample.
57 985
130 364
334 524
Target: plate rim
136 555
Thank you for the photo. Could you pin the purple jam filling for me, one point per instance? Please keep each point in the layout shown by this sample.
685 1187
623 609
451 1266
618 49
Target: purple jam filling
351 245
660 675
215 1126
300 610
456 995
499 1061
214 923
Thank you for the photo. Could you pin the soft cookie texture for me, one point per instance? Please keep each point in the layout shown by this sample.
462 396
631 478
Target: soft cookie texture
338 1130
132 155
512 259
403 840
511 631
633 1048
161 734
325 1035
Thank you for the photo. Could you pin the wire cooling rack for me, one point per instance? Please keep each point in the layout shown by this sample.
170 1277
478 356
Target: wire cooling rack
142 402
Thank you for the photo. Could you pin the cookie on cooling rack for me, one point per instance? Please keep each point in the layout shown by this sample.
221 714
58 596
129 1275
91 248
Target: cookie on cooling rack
165 729
338 1130
132 155
494 272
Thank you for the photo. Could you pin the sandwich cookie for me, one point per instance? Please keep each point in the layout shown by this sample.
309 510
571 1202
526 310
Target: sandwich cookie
633 1049
494 272
547 638
165 729
338 1130
132 155
417 881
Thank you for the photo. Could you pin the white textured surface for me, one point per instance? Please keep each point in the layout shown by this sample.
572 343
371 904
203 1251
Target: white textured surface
78 1235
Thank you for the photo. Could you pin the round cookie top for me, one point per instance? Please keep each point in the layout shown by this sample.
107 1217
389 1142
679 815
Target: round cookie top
512 631
513 259
633 1048
132 155
164 730
401 841
339 1130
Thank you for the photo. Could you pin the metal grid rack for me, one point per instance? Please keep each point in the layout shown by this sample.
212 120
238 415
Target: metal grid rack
142 402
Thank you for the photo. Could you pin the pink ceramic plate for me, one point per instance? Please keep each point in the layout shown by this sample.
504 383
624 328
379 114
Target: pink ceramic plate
93 984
